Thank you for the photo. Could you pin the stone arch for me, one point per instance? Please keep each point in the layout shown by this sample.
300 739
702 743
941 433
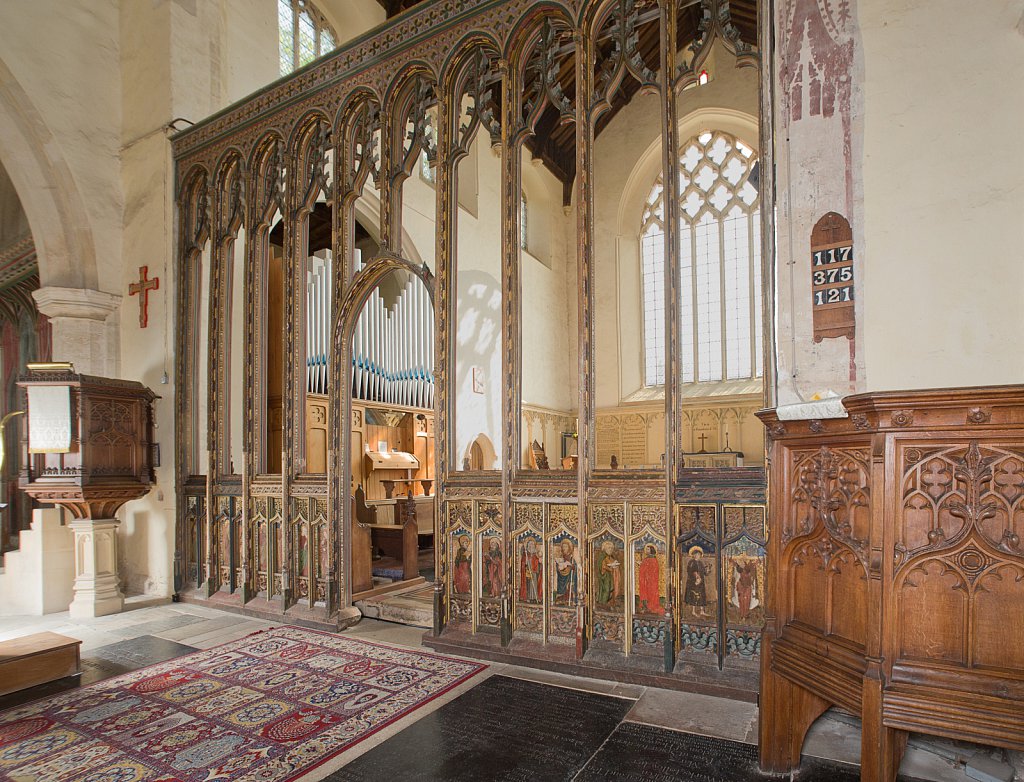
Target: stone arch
51 199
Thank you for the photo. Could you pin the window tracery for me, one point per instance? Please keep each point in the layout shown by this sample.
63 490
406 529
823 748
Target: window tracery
303 34
720 264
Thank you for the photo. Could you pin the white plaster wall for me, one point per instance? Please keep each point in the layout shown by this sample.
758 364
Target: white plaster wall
478 303
352 18
64 55
548 295
178 59
943 192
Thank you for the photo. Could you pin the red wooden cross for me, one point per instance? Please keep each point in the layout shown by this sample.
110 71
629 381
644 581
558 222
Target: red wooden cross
143 287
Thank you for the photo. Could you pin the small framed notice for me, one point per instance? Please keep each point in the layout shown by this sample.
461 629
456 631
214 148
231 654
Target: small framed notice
832 287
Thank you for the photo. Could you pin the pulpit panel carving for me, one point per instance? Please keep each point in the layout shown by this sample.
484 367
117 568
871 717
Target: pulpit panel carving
897 577
958 552
830 489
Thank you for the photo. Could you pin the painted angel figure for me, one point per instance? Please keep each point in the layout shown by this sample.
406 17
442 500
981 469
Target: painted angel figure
744 593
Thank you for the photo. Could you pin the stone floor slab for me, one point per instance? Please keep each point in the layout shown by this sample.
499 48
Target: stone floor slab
693 713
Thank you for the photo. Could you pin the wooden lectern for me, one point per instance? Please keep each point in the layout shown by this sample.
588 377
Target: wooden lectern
90 450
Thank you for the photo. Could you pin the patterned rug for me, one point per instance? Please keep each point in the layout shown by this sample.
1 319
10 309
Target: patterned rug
271 706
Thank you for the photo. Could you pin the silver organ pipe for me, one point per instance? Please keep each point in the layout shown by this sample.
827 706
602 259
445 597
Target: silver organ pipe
318 323
393 349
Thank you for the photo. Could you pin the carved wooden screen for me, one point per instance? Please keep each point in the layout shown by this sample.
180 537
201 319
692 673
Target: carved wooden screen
573 556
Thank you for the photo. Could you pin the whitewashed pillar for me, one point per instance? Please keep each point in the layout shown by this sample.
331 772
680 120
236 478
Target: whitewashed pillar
97 588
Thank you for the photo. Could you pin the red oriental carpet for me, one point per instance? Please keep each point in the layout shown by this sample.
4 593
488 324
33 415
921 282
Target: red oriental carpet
271 706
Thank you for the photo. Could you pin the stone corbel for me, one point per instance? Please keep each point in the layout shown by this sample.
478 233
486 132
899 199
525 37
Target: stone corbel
81 303
82 329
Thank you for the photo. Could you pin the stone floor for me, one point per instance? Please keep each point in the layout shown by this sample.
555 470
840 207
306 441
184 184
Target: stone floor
557 726
413 606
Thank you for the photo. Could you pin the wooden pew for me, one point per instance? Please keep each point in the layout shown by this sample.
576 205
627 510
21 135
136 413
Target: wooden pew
363 519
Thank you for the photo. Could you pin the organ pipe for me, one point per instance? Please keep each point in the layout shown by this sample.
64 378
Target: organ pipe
392 347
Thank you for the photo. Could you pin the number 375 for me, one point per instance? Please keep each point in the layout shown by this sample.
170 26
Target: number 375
826 276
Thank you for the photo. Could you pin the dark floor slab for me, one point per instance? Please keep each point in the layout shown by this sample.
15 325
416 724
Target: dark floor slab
141 651
642 753
103 663
502 729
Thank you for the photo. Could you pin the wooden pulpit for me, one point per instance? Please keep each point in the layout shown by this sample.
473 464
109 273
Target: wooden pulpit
90 450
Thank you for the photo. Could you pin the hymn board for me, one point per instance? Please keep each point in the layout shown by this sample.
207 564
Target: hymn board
832 277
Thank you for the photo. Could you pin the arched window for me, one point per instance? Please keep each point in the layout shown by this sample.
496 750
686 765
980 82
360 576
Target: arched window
303 32
720 264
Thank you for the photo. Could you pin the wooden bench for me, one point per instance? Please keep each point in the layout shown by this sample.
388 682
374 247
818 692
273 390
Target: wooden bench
37 659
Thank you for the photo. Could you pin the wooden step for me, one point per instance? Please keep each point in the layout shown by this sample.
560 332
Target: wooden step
37 659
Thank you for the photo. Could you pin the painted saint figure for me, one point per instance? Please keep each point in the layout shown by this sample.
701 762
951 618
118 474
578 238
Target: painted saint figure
493 568
609 574
461 578
531 590
303 552
566 573
649 578
744 593
695 594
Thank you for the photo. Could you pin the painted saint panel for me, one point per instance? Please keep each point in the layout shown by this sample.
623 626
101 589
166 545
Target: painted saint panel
236 531
565 570
279 548
460 553
462 565
529 571
743 578
262 556
650 561
564 573
528 568
698 581
699 585
608 579
648 579
300 547
492 565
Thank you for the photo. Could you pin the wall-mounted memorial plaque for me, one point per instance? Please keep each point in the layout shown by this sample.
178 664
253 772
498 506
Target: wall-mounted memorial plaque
832 277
